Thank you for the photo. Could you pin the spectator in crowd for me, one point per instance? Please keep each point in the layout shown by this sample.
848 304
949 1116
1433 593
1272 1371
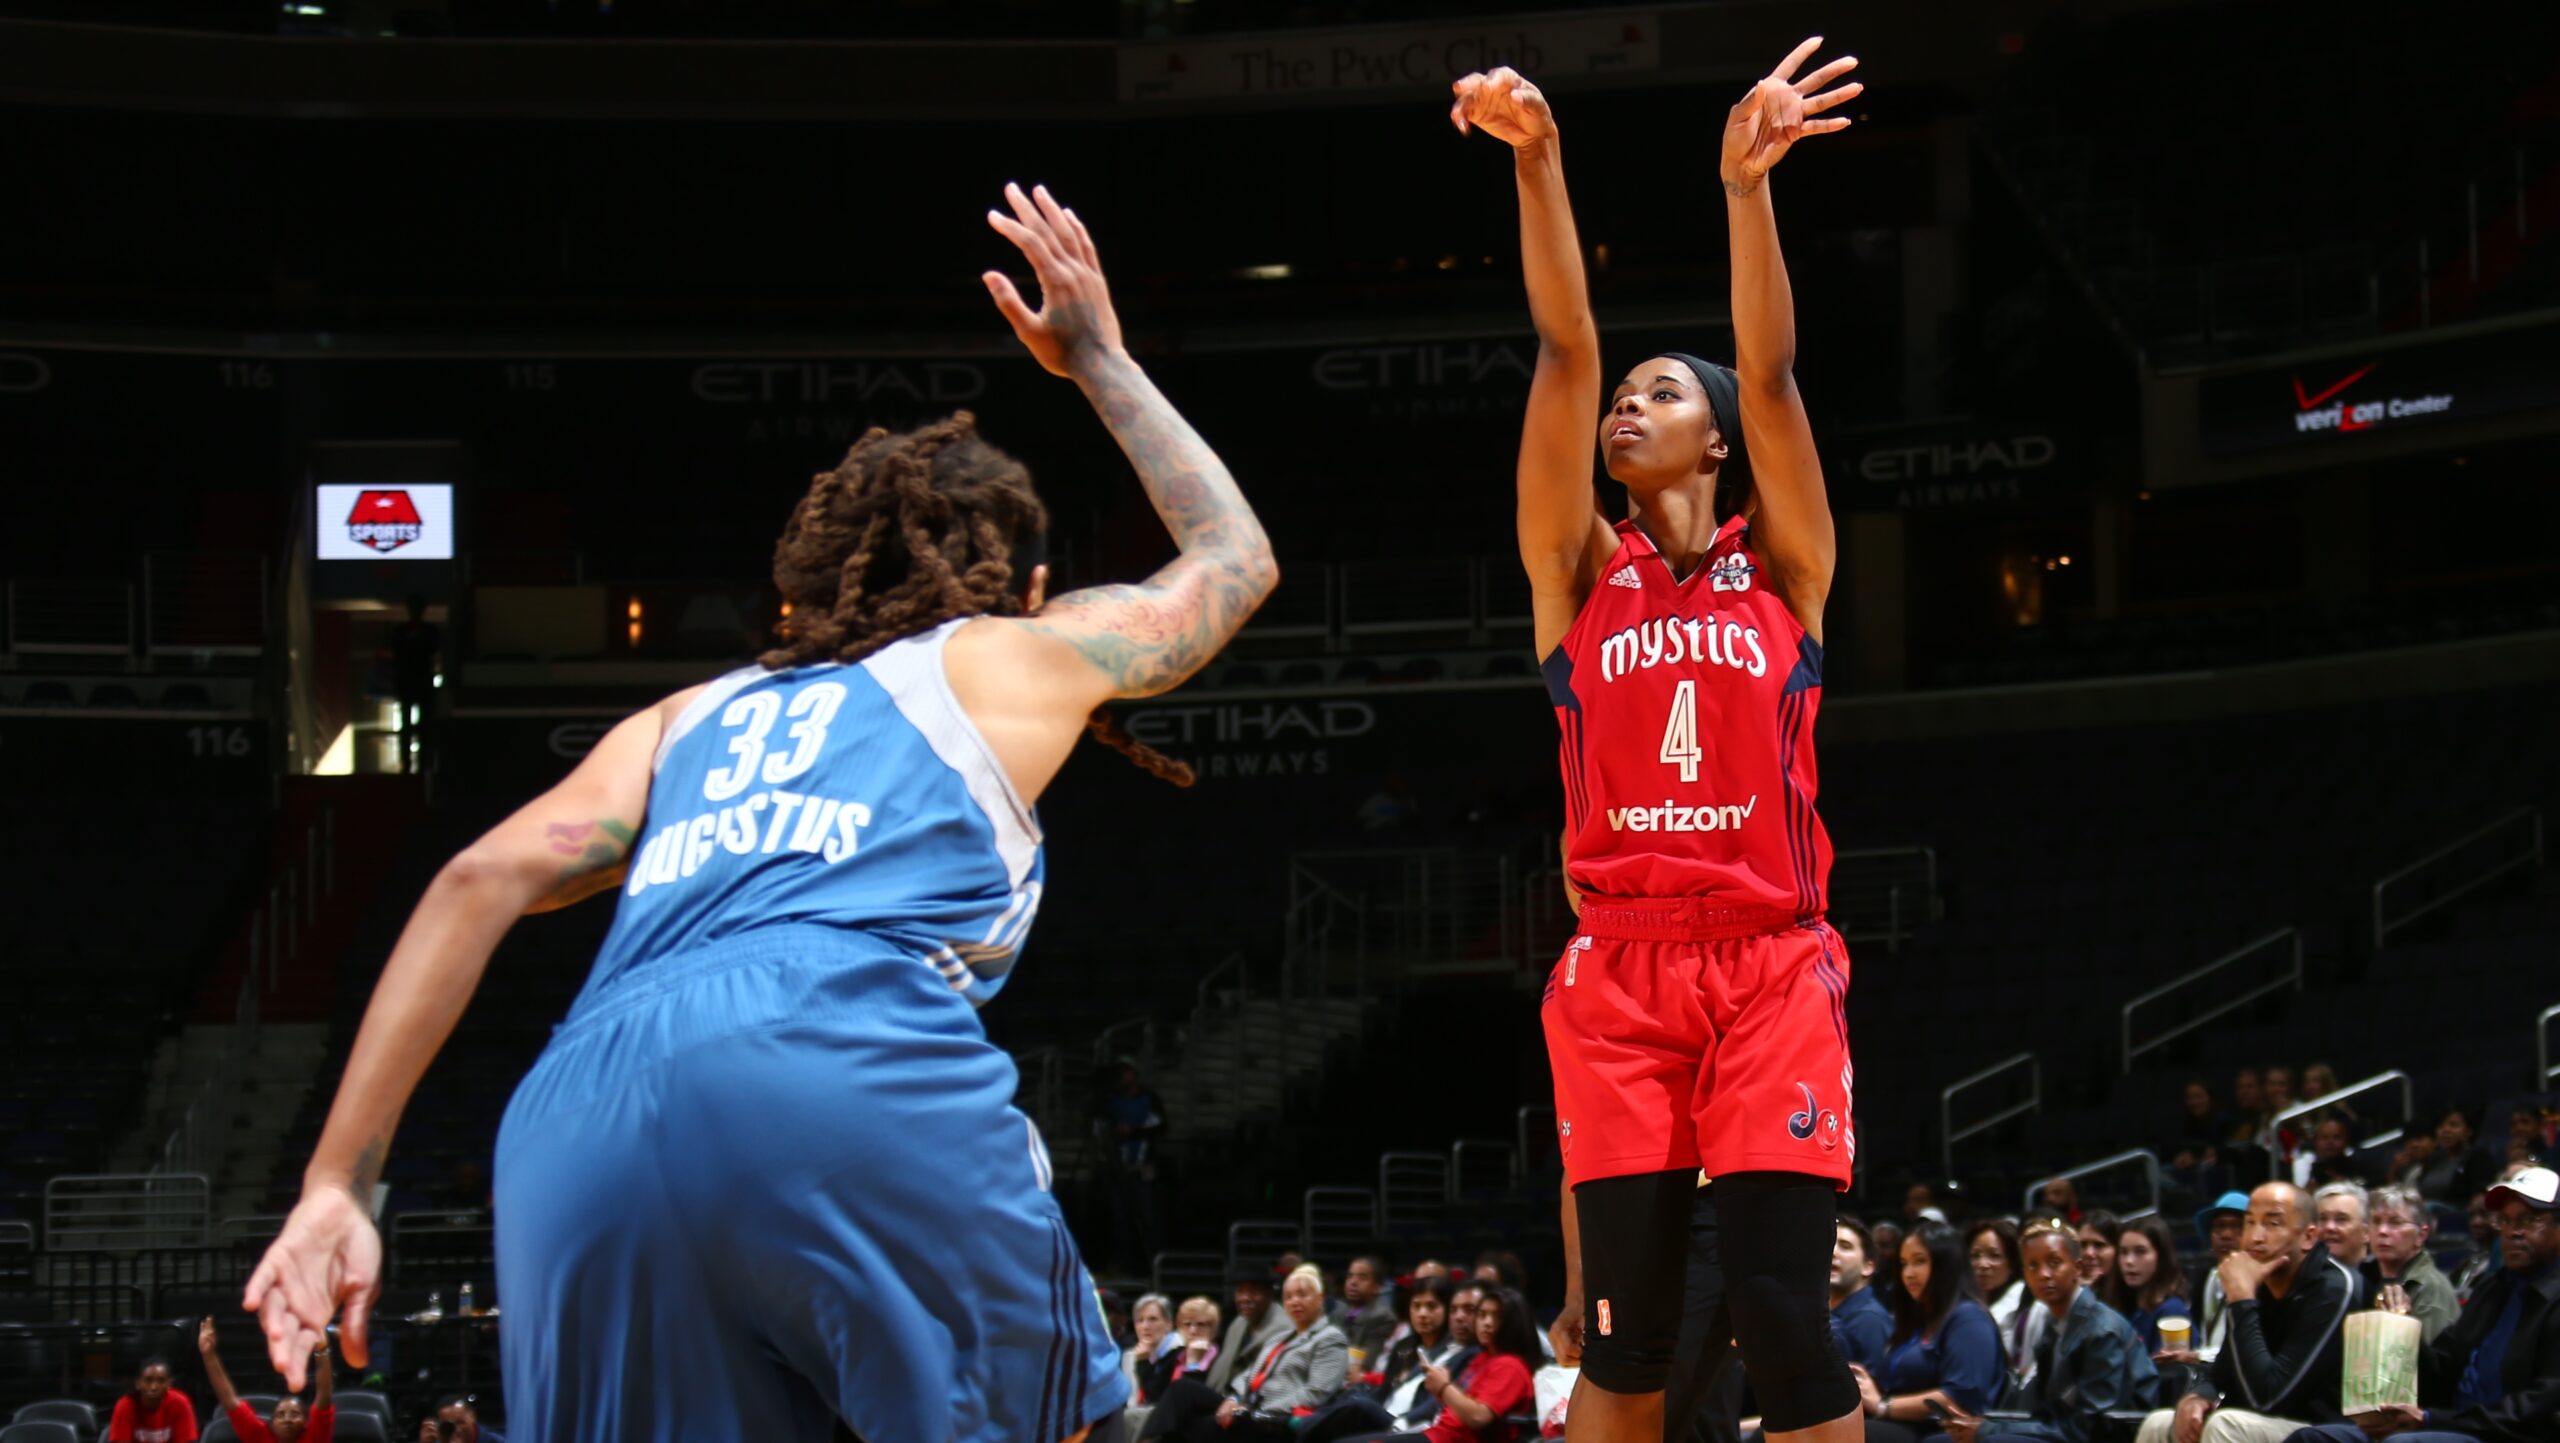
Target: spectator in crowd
2281 1139
2280 1362
1886 1234
2222 1223
432 1429
2400 1273
2457 1169
1190 1353
289 1421
2248 1109
1255 1327
1430 1268
1151 1321
1294 1374
2090 1360
2098 1232
1129 1122
461 1413
1431 1344
1991 1255
1466 1294
1944 1347
2059 1198
2148 1283
2529 1135
2495 1374
1502 1267
2330 1158
1859 1320
1917 1199
1479 1400
2318 1081
154 1412
2339 1221
2202 1128
1372 1308
2484 1260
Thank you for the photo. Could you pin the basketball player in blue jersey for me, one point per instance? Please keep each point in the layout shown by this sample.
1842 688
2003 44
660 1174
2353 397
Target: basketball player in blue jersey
767 1173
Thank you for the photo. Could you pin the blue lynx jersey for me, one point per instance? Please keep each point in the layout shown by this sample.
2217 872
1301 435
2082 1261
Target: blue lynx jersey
855 796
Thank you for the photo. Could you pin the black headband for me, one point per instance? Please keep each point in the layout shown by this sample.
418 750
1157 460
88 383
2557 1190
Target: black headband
1724 399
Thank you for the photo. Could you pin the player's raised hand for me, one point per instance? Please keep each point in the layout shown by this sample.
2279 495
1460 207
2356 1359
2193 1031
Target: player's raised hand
1503 104
327 1257
1780 110
1075 315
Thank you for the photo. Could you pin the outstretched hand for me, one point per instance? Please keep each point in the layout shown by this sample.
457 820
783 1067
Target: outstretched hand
1503 104
1075 315
1779 111
327 1257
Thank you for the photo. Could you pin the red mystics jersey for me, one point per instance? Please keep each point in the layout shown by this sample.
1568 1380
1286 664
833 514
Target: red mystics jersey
1687 710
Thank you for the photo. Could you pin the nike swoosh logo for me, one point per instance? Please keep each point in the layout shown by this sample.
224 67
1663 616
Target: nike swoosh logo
2307 402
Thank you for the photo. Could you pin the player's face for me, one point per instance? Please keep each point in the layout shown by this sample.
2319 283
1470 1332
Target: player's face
2053 1275
153 1384
288 1422
1658 428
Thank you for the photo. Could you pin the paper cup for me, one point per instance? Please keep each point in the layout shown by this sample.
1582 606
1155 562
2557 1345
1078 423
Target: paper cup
2175 1333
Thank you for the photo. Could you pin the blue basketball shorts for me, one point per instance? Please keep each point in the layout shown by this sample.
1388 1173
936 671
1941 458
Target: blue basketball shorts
752 1188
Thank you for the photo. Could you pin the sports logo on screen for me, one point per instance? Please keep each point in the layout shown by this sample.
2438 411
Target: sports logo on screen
384 520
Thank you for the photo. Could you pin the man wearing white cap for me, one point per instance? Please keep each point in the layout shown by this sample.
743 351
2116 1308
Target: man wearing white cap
2495 1374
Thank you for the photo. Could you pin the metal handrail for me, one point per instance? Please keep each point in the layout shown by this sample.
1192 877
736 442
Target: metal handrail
1103 1053
1950 1135
2292 978
1200 994
2326 1100
2383 927
2150 1168
2546 1068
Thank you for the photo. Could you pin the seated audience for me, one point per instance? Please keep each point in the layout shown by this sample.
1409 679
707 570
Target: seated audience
1151 1324
2330 1157
1372 1314
2400 1274
2281 1138
1192 1351
1391 1398
1859 1319
2338 1221
461 1417
2318 1081
2089 1360
2201 1131
288 1421
1944 1347
1991 1255
2098 1230
2148 1284
2457 1169
1886 1234
1255 1327
1303 1369
2495 1374
2280 1363
2059 1198
2248 1114
154 1412
2484 1261
1491 1387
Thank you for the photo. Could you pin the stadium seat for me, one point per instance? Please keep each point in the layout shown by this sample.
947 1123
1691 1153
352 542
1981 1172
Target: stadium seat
219 1431
361 1401
44 1432
358 1428
82 1417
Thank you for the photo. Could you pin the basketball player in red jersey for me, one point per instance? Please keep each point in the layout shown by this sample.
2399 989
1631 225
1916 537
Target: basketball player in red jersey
1695 1023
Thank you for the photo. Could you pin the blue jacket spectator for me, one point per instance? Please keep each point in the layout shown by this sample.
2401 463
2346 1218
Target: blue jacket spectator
2087 1363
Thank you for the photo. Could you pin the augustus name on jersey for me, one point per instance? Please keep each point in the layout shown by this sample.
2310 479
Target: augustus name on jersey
854 796
1687 710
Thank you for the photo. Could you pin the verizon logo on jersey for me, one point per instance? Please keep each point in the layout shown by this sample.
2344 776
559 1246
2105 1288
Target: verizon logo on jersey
1672 817
1671 640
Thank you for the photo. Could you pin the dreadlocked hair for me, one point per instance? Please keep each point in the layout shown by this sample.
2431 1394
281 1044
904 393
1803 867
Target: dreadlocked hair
913 529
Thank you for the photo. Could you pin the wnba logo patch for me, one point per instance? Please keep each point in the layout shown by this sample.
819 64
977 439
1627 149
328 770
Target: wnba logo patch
384 520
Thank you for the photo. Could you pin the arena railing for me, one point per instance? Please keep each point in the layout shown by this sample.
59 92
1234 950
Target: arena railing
1413 1191
2545 1070
106 1212
1884 893
2149 1163
2359 1087
1339 1222
1259 1240
204 603
71 616
1180 1275
1949 1134
2290 977
2469 870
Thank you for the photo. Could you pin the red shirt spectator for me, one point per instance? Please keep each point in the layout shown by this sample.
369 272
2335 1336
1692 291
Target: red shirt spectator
1502 1384
170 1418
292 1424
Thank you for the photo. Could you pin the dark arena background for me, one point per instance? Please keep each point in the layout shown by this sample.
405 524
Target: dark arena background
2188 377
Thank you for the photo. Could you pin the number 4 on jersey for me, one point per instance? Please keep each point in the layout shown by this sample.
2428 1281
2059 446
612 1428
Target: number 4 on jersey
1680 735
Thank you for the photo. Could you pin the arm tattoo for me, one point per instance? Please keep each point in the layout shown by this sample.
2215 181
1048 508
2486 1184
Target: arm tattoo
1148 638
368 1169
589 846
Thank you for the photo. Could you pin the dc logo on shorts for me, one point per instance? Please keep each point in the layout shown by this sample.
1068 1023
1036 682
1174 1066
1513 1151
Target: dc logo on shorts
1801 1125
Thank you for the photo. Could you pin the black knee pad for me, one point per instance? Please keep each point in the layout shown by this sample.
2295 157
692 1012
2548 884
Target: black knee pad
1777 1229
1635 1248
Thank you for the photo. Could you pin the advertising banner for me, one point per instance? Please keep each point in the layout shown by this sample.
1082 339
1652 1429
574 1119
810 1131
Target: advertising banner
1387 58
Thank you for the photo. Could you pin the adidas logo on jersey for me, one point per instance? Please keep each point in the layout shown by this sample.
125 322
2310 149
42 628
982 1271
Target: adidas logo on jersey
1626 576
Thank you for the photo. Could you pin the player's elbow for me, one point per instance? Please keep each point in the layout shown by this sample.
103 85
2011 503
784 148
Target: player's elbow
1766 378
481 870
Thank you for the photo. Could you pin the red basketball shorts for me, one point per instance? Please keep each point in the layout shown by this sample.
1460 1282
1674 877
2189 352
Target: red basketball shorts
1689 1035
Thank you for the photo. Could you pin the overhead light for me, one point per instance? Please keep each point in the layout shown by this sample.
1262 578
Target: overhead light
1448 263
301 7
2065 560
1265 273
